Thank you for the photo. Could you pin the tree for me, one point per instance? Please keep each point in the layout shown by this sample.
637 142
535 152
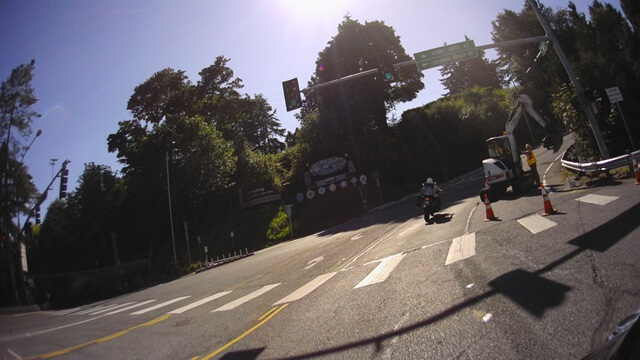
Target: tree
352 114
473 72
631 10
16 98
166 93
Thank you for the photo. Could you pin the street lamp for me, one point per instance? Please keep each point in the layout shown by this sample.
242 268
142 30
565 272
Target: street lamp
29 147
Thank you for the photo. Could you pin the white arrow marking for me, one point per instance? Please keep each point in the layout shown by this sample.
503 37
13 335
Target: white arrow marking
313 262
357 237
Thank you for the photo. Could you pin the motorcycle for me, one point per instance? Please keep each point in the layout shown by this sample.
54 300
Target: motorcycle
430 205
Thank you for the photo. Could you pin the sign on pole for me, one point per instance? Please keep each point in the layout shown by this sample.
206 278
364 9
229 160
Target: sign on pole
446 55
614 94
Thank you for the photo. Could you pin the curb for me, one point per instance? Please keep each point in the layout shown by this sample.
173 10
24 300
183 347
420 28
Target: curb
19 310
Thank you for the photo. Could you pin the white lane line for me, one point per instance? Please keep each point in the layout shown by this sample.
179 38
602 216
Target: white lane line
536 223
434 244
94 309
53 329
111 308
461 248
199 302
159 305
13 353
374 244
131 307
382 271
358 236
466 228
234 304
65 312
544 177
597 199
306 289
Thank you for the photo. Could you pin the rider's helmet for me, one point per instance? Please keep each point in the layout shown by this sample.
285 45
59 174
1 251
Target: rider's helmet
429 181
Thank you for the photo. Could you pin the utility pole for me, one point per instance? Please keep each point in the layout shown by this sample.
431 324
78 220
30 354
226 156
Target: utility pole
173 234
579 90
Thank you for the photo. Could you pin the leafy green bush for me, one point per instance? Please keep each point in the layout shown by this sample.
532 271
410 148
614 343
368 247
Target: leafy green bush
279 227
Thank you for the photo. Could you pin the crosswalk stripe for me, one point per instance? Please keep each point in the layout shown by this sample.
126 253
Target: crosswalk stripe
597 199
461 248
112 308
244 299
306 289
199 302
66 312
382 271
131 307
536 223
84 312
159 305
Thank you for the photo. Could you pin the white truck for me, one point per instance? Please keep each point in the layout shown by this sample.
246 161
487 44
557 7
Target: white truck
504 167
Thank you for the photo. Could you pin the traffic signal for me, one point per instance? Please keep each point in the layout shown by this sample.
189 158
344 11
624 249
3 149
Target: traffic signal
64 178
386 69
38 215
292 94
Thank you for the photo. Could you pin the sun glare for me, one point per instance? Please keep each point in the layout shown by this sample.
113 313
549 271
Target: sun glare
311 8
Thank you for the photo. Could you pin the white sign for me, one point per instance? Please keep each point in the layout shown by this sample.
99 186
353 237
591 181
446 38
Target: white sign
354 180
343 184
614 94
322 190
23 252
206 250
363 179
311 194
332 187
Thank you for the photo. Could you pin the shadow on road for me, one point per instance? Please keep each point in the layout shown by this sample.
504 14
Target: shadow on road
243 354
532 292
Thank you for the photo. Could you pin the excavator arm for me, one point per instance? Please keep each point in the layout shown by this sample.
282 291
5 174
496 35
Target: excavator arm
525 106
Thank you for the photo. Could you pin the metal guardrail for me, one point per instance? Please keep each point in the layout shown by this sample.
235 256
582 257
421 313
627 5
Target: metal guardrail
604 165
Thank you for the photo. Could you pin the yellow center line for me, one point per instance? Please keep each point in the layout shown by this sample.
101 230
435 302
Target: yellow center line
101 340
195 358
225 347
267 313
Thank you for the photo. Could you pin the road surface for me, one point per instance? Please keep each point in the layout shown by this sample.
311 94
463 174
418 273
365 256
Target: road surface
386 286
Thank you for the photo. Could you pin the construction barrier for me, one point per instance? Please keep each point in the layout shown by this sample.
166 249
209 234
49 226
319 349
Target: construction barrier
490 215
548 209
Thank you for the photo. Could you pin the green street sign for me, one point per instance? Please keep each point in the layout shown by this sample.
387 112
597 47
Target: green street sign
446 55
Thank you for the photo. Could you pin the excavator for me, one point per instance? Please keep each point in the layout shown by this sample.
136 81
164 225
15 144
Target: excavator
503 169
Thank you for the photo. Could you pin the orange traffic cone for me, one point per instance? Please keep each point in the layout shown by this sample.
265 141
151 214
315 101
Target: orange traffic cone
487 204
636 170
548 209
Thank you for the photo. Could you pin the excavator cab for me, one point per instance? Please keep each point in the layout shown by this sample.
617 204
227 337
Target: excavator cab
499 147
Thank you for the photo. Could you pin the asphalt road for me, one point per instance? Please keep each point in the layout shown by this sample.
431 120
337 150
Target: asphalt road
386 286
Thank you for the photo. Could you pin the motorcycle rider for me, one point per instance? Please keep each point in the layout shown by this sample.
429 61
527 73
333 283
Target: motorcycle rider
429 188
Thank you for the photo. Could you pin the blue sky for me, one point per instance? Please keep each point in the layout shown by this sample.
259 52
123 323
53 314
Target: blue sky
91 54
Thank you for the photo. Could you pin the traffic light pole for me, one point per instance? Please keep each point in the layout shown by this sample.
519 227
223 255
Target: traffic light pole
579 90
43 197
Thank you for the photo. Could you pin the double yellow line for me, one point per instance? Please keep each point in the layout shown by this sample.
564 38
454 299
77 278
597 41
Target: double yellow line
101 340
263 320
